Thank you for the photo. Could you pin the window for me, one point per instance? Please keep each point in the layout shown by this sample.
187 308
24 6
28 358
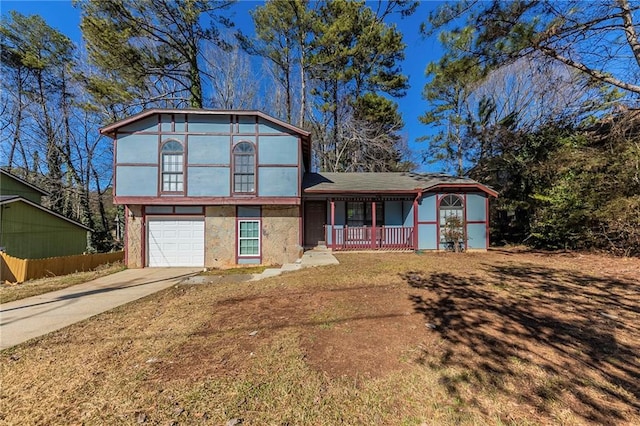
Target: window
249 238
172 167
244 168
451 220
359 213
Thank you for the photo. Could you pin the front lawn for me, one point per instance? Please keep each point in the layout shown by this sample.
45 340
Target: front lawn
395 338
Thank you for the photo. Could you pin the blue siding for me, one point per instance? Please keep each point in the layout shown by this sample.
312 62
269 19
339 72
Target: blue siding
393 213
209 150
208 182
265 127
277 181
247 124
427 237
165 122
209 124
477 237
237 139
128 180
149 124
248 211
408 209
427 208
476 209
180 121
137 149
278 150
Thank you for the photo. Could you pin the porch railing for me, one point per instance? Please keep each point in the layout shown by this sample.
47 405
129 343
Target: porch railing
370 237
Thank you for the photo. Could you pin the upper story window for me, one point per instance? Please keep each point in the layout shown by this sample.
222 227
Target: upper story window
172 167
244 168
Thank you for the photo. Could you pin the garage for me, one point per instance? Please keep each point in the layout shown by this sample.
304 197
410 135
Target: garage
174 242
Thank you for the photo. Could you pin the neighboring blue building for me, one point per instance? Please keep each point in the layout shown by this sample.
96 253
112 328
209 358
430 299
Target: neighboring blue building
221 188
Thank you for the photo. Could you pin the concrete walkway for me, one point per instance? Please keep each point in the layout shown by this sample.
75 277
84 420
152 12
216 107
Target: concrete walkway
38 315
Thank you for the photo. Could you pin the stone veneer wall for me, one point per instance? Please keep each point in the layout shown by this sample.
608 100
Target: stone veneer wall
220 236
280 234
134 235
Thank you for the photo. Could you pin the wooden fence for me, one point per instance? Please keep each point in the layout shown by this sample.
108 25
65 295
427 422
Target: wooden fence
17 270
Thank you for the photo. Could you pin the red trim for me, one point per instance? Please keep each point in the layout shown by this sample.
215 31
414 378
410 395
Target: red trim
462 186
300 225
143 240
278 165
137 164
437 222
486 203
464 227
207 201
238 220
373 225
111 128
126 236
333 223
427 222
232 170
209 165
356 192
115 170
415 220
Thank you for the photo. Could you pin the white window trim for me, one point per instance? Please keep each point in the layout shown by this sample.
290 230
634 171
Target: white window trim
259 238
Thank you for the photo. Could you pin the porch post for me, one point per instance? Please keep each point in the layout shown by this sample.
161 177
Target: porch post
374 230
333 222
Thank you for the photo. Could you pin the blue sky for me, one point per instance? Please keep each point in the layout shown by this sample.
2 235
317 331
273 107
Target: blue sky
61 15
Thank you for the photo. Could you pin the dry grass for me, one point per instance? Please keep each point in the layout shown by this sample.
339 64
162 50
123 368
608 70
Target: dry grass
513 338
11 292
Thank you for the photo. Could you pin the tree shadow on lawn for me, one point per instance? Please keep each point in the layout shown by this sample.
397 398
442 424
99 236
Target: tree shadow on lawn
538 335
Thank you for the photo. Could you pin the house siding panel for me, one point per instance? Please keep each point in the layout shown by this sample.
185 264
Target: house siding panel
137 149
427 237
147 124
476 210
477 236
278 182
136 181
246 124
209 123
265 127
393 213
427 208
408 208
278 150
9 186
208 182
209 150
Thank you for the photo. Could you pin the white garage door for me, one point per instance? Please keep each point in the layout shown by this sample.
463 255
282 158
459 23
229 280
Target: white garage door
176 242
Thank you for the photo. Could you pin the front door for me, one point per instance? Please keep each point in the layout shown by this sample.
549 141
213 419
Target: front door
315 217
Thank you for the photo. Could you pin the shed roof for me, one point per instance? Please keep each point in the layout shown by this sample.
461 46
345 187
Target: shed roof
8 199
386 182
24 182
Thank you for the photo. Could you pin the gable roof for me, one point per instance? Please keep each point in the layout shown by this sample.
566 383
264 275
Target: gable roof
24 182
386 182
8 199
110 129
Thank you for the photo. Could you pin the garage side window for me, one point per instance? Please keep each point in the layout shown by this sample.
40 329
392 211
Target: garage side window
172 167
244 168
248 238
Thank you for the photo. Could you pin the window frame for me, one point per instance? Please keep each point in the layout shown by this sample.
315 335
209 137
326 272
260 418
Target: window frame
367 215
239 238
235 160
180 174
447 206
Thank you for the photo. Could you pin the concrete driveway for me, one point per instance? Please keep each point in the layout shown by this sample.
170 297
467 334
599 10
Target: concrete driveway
38 315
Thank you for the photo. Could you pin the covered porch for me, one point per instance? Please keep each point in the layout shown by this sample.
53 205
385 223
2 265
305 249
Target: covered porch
364 223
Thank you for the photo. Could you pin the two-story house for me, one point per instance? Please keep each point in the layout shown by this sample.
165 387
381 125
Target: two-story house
222 188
